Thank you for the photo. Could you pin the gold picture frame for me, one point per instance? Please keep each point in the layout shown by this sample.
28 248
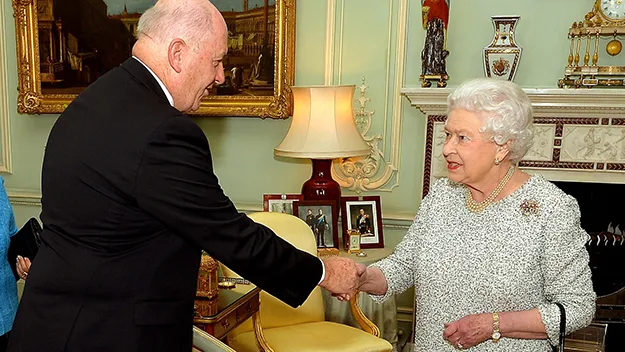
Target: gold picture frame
33 99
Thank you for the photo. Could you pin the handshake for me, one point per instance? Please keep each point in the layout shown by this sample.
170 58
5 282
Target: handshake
343 277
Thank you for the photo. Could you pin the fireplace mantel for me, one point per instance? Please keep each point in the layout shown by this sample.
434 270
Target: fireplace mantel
546 102
579 133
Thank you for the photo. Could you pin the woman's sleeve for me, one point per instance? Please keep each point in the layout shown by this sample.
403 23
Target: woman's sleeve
565 271
399 267
7 209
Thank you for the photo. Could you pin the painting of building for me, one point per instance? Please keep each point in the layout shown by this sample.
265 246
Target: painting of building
81 40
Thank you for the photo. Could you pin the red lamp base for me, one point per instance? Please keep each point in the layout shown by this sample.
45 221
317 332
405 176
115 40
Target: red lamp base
321 186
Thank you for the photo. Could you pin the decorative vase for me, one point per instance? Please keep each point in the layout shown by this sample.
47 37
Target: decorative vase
502 55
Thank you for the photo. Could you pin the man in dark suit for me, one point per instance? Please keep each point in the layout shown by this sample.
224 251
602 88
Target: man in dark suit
129 199
364 223
310 221
320 227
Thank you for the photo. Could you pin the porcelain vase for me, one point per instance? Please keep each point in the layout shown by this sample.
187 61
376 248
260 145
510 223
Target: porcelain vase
502 55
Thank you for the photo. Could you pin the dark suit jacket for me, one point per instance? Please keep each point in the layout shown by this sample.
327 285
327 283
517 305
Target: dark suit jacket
129 199
363 227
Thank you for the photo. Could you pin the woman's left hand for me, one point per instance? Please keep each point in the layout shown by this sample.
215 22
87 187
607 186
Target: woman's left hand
22 266
469 331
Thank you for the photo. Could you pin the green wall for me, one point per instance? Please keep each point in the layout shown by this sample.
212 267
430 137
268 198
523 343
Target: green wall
367 40
243 147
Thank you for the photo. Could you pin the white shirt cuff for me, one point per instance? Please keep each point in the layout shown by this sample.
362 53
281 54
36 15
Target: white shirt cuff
323 272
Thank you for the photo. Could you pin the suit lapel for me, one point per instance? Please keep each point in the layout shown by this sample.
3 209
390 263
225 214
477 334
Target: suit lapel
137 70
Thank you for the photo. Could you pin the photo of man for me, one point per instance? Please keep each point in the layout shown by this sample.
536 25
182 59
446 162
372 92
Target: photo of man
363 214
364 222
361 219
319 218
310 220
320 228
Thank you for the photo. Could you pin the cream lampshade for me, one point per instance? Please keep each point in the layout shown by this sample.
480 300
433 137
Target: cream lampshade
322 129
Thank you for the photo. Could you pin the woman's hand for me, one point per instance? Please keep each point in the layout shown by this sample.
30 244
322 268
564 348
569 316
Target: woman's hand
469 331
22 267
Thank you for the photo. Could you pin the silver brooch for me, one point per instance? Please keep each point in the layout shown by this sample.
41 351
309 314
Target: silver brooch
529 207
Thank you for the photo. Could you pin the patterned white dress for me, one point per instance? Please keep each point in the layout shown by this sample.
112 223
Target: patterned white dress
502 259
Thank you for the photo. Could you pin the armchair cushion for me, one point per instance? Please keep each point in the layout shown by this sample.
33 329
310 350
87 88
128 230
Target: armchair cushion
313 337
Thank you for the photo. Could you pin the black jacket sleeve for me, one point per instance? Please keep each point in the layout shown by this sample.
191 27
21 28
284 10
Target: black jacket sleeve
176 184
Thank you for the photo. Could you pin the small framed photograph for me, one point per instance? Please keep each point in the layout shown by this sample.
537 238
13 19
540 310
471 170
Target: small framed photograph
280 203
365 215
322 217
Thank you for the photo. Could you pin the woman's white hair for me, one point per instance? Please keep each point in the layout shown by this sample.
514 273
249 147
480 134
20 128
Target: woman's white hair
189 20
505 109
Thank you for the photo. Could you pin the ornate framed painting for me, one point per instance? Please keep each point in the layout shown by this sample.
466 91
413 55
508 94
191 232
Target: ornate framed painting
64 45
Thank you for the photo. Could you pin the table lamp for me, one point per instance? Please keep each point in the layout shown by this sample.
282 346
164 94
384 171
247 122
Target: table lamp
322 129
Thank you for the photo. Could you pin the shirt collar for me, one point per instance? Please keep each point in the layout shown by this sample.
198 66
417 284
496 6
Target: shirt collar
160 83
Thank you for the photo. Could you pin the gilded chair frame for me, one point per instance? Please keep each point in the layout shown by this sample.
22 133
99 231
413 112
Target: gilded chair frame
365 324
32 100
214 343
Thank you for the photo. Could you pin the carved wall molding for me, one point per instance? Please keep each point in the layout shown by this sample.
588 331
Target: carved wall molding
579 134
5 133
379 170
359 173
21 197
390 220
329 45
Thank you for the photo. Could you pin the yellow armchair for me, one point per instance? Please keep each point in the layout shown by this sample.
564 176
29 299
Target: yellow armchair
204 342
281 328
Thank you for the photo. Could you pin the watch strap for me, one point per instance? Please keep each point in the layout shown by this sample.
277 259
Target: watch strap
496 335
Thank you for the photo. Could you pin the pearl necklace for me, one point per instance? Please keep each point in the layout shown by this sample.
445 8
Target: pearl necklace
478 207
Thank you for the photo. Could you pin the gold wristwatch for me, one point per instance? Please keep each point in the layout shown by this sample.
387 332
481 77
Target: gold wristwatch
496 333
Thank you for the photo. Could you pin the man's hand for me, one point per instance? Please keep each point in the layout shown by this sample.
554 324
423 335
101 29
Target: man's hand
342 275
361 269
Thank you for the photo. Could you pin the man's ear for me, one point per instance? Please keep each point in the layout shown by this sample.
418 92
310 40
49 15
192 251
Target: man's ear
175 54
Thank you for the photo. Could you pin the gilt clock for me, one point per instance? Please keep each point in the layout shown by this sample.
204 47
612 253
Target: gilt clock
611 11
606 21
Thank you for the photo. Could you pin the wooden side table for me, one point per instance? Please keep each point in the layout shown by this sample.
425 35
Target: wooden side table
231 308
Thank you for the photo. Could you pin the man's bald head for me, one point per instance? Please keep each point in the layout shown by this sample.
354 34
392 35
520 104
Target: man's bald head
194 21
184 43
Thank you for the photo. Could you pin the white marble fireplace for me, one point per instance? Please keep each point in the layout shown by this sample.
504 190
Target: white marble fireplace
579 133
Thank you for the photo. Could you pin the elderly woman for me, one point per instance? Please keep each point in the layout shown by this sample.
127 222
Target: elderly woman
492 248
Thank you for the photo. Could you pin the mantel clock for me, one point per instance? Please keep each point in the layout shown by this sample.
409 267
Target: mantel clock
605 20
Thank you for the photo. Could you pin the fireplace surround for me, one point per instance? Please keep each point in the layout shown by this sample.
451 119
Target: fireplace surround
579 145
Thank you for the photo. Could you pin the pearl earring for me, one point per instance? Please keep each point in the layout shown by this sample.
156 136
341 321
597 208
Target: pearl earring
497 161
